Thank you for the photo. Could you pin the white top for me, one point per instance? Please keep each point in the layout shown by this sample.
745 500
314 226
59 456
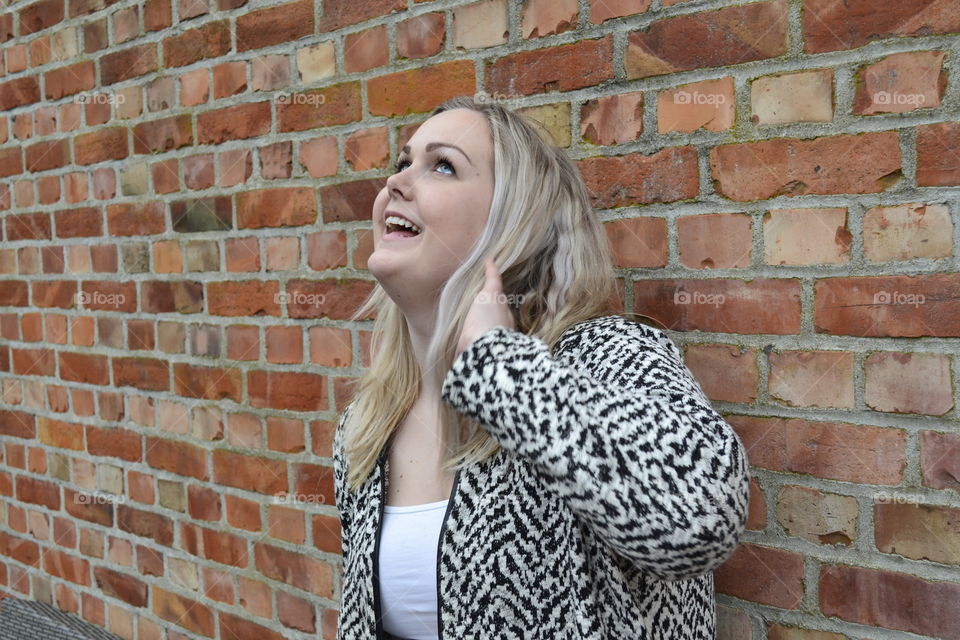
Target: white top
408 569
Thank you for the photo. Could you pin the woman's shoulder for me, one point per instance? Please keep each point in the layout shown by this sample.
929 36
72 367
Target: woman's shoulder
595 332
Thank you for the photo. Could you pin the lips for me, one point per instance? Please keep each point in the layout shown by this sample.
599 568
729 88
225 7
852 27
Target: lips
387 214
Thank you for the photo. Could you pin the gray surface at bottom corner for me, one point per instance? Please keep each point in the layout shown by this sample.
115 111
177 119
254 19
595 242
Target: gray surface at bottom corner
31 620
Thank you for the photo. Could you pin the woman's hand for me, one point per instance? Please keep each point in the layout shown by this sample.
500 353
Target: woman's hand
489 309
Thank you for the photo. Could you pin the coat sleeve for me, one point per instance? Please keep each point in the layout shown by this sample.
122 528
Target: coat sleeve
340 492
627 440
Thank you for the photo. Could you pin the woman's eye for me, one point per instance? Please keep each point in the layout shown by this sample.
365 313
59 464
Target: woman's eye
400 165
447 165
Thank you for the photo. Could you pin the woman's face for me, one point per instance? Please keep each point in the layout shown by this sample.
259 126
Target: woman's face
444 185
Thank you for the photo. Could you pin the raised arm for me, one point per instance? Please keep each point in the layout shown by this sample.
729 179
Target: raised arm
626 438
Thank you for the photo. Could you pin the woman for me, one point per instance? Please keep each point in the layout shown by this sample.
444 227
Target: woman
518 462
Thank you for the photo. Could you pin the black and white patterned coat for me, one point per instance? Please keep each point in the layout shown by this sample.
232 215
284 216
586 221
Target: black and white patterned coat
617 492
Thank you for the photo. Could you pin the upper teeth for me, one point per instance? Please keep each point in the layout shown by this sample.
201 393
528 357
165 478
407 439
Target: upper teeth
402 222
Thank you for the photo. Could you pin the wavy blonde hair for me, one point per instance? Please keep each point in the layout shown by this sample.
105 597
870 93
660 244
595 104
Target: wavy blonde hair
553 257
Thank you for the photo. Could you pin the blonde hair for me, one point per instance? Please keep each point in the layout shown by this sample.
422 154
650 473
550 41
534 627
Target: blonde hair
553 257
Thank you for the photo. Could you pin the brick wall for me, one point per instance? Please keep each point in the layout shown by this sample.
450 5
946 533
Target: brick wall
185 187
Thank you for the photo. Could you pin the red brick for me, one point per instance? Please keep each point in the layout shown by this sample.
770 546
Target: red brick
47 155
183 612
725 372
39 492
203 503
337 104
891 600
603 10
937 163
349 201
831 450
28 226
146 524
13 293
715 241
54 293
364 50
830 25
69 80
128 63
66 566
143 373
722 305
157 15
900 83
79 505
180 296
212 40
11 163
896 306
421 36
562 68
24 551
314 483
76 223
419 90
209 383
243 514
115 442
229 78
917 531
940 460
334 299
19 92
236 628
122 586
665 176
770 168
296 613
612 119
65 435
84 367
723 37
294 569
238 122
39 16
908 382
283 207
34 362
167 134
326 534
340 13
181 458
275 25
763 574
287 390
251 298
812 378
251 473
100 146
225 548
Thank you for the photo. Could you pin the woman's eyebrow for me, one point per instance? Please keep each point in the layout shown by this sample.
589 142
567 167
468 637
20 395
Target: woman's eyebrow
433 145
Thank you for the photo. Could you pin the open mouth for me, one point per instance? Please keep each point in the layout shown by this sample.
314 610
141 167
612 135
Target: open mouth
397 227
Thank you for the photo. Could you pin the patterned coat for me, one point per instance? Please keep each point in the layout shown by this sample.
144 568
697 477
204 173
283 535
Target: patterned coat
617 491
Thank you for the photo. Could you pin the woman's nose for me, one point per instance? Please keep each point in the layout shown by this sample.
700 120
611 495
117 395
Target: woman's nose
398 184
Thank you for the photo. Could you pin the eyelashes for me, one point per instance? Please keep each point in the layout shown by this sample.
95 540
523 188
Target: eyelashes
403 163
